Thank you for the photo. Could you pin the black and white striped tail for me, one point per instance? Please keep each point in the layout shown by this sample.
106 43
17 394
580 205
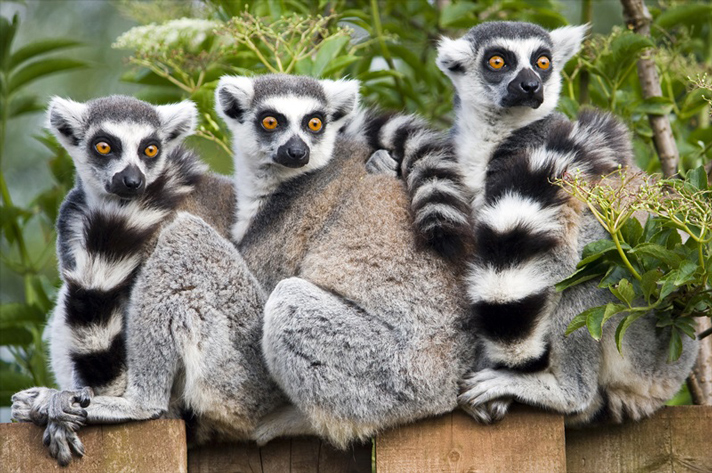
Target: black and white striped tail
427 164
525 231
101 249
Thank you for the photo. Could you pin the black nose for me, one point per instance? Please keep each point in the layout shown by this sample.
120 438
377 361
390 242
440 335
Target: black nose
127 182
530 87
296 152
133 182
293 154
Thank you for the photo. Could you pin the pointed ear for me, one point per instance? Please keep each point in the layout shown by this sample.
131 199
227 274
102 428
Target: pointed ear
342 96
453 55
66 120
233 96
567 41
178 120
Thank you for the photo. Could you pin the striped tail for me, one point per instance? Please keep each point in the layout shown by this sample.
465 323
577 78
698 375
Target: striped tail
427 165
107 246
526 233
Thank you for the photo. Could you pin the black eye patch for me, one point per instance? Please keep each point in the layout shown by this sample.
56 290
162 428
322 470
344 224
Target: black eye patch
108 138
497 76
282 121
543 73
145 143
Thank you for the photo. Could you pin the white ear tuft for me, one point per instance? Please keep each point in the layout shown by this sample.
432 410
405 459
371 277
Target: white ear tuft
567 41
453 55
178 120
233 96
342 96
66 120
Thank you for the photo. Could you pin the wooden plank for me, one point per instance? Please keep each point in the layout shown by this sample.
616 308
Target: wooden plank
296 455
527 440
676 439
153 447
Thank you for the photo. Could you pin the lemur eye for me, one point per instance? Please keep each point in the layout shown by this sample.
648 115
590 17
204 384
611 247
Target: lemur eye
543 63
269 123
151 151
315 124
496 62
102 147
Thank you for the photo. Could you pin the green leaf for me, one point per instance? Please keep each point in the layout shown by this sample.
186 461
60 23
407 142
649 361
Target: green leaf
14 313
22 104
581 275
686 273
338 65
39 69
655 106
594 320
697 178
458 15
631 231
675 346
12 382
658 252
613 276
40 47
649 282
624 291
652 226
15 336
684 14
623 327
578 322
329 50
7 34
596 250
668 284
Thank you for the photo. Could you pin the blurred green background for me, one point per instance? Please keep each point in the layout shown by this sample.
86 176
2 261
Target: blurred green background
388 45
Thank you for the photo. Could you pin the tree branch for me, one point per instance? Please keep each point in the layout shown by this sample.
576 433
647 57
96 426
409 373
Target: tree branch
638 18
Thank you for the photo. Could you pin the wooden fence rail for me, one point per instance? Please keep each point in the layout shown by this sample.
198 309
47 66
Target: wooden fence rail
678 439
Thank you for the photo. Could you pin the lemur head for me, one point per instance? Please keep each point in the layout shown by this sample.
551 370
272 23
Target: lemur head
285 125
509 66
119 144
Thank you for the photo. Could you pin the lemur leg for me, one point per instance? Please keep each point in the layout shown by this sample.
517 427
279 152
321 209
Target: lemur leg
568 384
193 331
287 421
348 371
381 162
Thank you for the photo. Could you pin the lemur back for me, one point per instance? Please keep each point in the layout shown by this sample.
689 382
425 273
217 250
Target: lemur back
362 324
529 234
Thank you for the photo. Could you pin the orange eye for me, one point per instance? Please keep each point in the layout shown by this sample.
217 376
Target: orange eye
269 123
543 62
151 151
102 147
496 62
315 124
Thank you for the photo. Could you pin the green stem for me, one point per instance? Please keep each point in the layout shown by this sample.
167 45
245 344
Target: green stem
630 267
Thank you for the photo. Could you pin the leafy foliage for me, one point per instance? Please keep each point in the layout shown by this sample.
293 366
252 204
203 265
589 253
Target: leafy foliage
648 268
21 323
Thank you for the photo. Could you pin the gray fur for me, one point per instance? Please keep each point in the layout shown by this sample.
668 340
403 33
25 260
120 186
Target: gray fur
361 326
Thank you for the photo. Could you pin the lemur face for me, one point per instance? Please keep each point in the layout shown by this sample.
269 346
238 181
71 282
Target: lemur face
509 64
285 124
119 144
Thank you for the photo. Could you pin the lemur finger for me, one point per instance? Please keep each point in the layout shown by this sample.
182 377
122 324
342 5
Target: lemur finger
75 444
58 446
381 162
85 395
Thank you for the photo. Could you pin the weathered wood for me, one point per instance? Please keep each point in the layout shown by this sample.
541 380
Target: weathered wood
152 447
527 440
676 439
297 455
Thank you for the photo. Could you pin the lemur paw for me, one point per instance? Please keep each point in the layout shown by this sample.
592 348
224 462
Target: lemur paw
381 162
62 441
67 407
31 405
485 395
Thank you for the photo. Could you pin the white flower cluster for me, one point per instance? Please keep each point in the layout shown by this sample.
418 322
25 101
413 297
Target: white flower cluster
186 33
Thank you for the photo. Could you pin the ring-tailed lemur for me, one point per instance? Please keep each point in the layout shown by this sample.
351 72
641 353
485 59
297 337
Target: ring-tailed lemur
529 234
362 325
132 177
